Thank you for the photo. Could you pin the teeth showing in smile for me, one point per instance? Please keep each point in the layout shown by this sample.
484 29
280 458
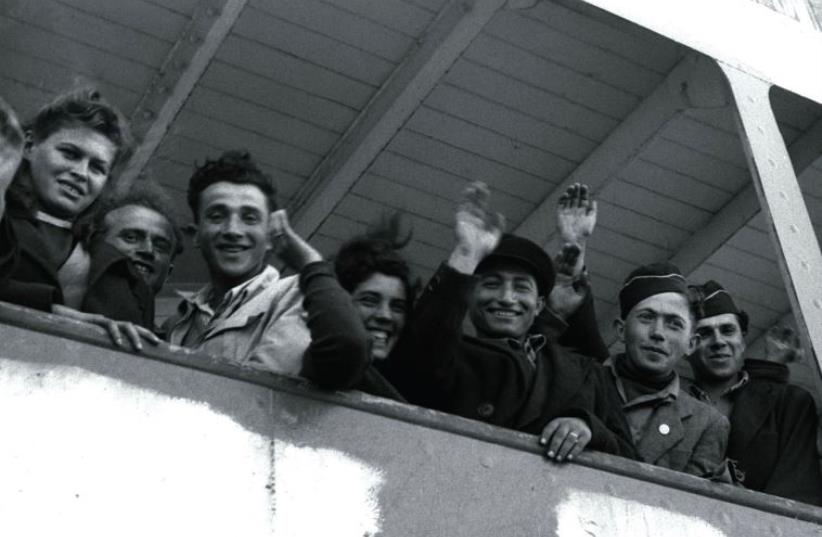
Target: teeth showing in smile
143 268
379 336
72 188
504 314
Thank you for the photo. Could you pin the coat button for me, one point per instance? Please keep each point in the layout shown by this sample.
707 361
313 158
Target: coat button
664 429
485 410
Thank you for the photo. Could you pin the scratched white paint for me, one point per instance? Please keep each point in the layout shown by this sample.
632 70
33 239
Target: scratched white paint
586 514
83 454
321 492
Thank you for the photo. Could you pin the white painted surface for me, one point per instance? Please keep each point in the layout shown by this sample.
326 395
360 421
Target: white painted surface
83 454
789 57
586 514
324 492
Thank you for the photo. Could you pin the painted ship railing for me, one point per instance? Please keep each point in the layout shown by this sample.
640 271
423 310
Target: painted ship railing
100 441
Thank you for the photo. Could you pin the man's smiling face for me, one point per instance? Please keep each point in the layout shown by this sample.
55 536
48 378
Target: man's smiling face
721 349
233 231
657 333
145 237
505 301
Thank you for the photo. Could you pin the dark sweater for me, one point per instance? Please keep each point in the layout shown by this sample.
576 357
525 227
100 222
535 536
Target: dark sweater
28 277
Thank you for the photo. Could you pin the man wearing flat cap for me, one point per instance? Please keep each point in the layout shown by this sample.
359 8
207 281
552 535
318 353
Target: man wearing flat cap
773 424
510 374
669 427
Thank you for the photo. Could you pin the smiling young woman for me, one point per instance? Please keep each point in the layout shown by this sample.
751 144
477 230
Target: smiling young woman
72 147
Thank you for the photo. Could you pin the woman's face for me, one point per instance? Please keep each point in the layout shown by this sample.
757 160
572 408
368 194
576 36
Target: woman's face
382 304
69 169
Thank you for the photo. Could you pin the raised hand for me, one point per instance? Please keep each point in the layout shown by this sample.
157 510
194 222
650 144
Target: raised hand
289 246
576 215
478 230
576 219
782 345
569 289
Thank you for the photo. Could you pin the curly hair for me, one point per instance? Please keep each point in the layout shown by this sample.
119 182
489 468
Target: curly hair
80 108
143 193
234 167
377 251
86 108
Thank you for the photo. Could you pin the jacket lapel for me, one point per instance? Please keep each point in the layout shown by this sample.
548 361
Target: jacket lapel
665 430
751 408
28 242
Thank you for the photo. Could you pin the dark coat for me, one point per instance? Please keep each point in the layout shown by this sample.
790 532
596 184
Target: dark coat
115 289
773 435
491 381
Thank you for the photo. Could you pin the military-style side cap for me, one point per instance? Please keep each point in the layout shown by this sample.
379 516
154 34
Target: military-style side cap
649 280
715 300
526 253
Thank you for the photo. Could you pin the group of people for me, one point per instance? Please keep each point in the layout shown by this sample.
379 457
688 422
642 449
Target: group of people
73 243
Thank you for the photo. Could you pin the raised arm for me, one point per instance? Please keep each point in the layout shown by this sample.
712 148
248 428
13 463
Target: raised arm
339 351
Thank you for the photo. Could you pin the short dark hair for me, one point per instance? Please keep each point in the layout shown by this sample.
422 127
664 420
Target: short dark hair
87 108
234 167
143 193
11 134
377 251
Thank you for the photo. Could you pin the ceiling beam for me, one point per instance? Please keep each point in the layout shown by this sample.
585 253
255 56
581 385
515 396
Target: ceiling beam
456 26
734 216
694 82
180 72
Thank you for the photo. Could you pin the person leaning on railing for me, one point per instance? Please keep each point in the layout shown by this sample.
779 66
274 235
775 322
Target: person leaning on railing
507 375
249 313
671 428
71 148
773 424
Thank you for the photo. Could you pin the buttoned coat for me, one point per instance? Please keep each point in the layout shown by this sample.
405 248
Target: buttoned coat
493 381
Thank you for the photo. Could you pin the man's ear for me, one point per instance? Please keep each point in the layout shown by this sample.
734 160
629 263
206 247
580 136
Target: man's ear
541 302
693 343
619 328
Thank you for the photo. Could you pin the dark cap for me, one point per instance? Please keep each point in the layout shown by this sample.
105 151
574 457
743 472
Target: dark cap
649 280
525 253
715 300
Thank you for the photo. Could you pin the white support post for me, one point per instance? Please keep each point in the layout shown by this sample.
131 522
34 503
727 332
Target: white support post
780 197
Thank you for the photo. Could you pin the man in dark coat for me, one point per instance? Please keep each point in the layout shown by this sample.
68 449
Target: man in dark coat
773 424
510 374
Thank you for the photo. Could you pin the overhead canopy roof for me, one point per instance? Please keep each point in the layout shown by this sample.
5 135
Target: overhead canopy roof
362 107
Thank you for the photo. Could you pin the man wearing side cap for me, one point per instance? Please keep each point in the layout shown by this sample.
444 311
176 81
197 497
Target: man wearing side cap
773 424
510 374
669 427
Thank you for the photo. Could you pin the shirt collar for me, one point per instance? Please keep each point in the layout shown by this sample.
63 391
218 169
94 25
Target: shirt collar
234 297
668 393
701 394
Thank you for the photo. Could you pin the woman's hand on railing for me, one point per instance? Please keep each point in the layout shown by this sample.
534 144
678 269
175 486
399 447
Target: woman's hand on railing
134 333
